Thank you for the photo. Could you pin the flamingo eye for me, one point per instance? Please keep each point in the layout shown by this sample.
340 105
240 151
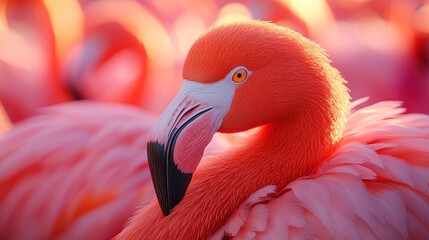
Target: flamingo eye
240 75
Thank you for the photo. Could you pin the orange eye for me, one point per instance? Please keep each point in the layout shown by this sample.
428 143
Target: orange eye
239 76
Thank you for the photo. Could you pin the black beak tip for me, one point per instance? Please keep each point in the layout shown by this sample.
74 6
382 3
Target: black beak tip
170 183
165 210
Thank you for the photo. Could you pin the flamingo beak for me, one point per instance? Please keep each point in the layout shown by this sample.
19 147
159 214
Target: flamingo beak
177 142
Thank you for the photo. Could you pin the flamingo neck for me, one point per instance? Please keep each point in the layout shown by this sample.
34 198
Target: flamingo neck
282 152
276 155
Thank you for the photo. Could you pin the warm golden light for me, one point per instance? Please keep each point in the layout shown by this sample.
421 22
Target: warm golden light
421 19
3 24
315 13
4 120
370 30
233 12
19 52
187 29
67 23
135 18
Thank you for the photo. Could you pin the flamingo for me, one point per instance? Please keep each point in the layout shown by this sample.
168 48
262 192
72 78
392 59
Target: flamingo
97 51
314 167
110 65
27 59
119 59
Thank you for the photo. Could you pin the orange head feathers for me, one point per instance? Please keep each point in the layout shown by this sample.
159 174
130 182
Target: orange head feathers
297 70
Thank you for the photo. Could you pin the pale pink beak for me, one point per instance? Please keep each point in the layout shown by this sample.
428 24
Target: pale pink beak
176 145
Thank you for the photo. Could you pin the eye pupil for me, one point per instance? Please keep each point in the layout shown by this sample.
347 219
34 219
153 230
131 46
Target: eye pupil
239 75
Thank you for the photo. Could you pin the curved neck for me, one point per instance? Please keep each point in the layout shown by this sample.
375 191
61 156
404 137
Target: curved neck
275 155
280 153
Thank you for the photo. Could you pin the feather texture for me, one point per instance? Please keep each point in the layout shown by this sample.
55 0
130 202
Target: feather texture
72 166
375 186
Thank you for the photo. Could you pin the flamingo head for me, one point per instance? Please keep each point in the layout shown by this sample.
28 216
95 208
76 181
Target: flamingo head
237 76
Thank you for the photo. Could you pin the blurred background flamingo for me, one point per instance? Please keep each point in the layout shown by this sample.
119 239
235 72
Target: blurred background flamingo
132 52
61 171
120 50
95 53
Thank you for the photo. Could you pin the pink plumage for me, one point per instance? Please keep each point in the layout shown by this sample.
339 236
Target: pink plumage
375 182
75 171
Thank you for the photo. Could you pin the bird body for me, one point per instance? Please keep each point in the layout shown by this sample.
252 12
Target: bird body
374 186
73 171
310 170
